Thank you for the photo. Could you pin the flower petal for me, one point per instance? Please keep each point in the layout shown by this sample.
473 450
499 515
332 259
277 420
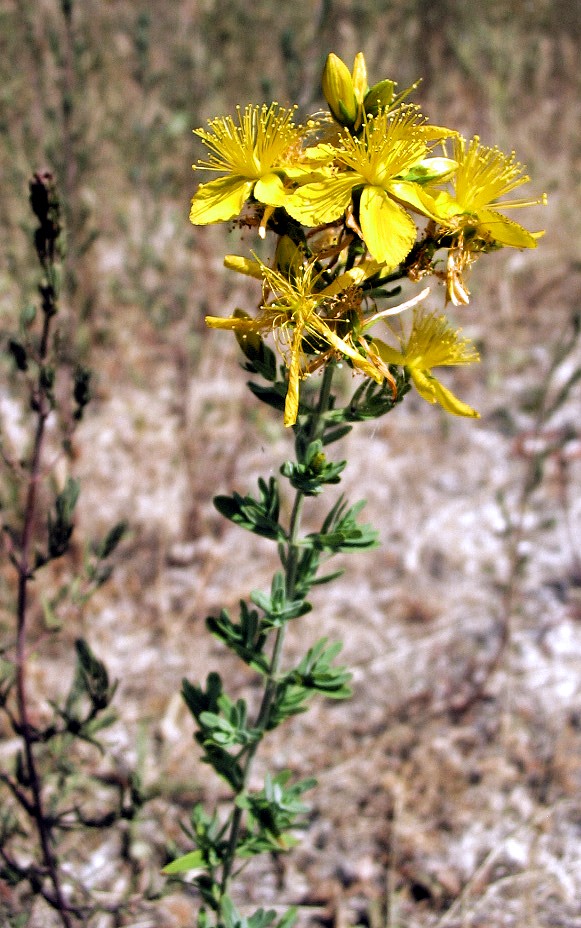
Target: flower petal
451 403
505 231
219 200
435 392
415 196
352 278
245 266
270 189
424 384
387 353
234 323
323 201
388 231
357 359
446 208
291 405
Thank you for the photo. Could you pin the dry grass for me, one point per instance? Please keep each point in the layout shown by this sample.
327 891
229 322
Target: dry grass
450 785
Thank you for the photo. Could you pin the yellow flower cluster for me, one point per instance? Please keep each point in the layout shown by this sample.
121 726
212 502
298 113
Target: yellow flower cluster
357 198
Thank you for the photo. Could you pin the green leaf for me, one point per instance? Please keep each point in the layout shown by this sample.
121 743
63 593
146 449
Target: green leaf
260 358
272 813
199 701
316 672
19 354
259 516
276 607
229 726
52 620
261 919
225 765
93 676
27 316
341 532
290 699
106 547
372 400
191 861
60 524
289 918
209 890
246 638
336 434
274 396
81 391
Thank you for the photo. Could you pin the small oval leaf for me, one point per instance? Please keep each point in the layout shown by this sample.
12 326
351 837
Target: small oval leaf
192 861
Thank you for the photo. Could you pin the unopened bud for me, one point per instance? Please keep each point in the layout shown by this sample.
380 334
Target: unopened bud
318 462
360 85
339 91
380 96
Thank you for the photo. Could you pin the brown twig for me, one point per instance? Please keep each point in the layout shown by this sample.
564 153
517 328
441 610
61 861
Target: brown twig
45 206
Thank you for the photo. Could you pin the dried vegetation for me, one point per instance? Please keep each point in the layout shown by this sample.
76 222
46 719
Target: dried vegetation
450 786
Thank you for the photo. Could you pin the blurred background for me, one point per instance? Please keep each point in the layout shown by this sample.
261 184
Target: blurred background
450 786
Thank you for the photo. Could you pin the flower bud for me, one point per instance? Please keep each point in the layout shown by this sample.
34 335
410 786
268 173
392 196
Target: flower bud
339 91
360 85
380 96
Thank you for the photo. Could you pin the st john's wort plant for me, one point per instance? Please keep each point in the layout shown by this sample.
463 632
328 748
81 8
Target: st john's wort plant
357 203
53 808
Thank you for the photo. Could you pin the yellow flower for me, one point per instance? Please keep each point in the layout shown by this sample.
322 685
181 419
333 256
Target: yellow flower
252 155
432 343
300 314
483 176
377 163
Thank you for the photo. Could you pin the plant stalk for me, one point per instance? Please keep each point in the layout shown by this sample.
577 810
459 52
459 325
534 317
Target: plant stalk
272 683
25 572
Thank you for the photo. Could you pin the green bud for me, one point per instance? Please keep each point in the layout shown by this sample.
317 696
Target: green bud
317 464
378 97
339 91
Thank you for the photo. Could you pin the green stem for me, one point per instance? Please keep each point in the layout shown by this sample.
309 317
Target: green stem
324 396
272 682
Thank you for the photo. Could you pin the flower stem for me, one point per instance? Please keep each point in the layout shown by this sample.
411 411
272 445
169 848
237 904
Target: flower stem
276 657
